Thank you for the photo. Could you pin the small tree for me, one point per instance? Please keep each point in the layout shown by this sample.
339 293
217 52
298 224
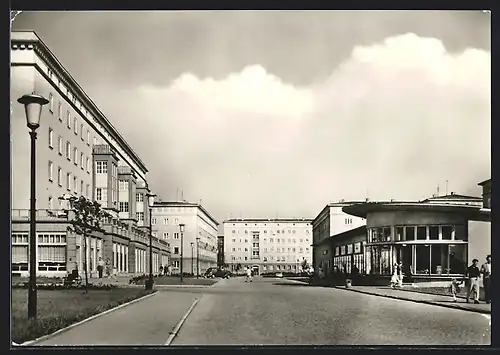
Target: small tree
86 218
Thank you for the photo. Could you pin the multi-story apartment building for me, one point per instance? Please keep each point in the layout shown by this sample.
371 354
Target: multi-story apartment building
79 153
329 222
199 247
267 245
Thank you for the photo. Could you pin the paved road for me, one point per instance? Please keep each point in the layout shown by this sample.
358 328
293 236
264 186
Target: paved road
278 312
271 312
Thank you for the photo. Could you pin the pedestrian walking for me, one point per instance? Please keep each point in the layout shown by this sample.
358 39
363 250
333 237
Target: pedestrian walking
473 275
108 268
249 275
161 270
455 288
486 271
100 267
399 268
394 278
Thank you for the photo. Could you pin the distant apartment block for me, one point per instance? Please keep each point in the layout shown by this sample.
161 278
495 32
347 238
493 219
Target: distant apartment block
267 245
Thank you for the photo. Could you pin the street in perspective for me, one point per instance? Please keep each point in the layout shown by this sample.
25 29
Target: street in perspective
250 178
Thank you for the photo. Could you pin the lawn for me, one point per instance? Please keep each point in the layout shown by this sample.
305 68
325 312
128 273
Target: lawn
60 308
175 280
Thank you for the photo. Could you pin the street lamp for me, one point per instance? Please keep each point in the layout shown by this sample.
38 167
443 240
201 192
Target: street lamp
181 227
192 258
151 200
33 109
197 257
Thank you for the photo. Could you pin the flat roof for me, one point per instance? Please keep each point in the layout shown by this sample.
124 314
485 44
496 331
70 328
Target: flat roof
484 182
362 209
159 204
262 220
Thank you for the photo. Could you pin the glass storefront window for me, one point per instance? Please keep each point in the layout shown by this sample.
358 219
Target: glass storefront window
460 232
434 232
421 233
380 260
410 233
446 232
422 259
386 232
399 233
439 259
458 258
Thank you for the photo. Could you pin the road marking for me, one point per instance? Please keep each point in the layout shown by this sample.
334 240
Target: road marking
174 333
45 337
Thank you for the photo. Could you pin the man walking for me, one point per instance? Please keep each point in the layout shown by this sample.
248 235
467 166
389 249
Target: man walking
486 271
249 275
473 274
100 267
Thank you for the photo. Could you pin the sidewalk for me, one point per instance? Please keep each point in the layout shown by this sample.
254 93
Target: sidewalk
437 300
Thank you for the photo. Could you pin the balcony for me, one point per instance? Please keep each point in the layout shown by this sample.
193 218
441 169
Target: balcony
124 170
41 215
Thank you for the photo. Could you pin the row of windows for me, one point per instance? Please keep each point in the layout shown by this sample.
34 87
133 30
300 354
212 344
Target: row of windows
408 233
348 249
265 258
279 250
69 187
165 221
265 224
279 231
70 123
77 158
278 240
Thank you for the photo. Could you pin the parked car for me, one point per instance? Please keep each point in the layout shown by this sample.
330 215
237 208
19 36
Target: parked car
225 274
210 273
279 274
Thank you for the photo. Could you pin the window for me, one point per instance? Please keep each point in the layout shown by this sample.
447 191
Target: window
175 263
59 176
176 221
357 247
68 119
101 167
51 252
68 151
88 136
75 155
51 170
75 125
60 145
51 138
422 258
123 185
446 232
95 140
68 181
75 184
81 187
81 161
51 103
165 221
421 232
98 193
50 203
87 190
349 249
82 132
434 232
165 235
176 250
153 221
140 216
139 197
87 164
123 206
60 112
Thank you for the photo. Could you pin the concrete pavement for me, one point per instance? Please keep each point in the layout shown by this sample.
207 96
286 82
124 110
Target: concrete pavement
281 312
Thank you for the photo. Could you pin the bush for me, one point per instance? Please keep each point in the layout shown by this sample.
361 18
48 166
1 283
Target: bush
61 286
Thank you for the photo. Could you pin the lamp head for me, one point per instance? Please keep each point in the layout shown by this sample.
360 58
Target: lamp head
182 226
151 199
33 108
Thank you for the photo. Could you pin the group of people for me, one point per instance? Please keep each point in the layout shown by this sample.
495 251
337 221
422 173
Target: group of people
472 280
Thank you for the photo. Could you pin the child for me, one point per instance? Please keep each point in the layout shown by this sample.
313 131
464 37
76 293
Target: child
455 288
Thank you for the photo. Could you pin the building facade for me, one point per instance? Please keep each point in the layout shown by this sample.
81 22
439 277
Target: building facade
267 245
79 153
199 241
431 238
332 220
486 185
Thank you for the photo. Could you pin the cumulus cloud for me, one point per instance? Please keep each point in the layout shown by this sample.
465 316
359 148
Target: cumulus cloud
392 121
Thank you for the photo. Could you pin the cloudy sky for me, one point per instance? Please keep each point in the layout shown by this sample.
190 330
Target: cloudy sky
270 114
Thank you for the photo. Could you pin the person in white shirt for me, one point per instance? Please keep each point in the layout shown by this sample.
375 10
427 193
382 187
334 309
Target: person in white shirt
486 271
249 275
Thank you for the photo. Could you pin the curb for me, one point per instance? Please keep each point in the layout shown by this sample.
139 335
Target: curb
45 337
177 328
432 303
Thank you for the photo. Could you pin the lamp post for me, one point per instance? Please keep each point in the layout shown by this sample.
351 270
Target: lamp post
192 258
151 200
181 227
33 108
197 257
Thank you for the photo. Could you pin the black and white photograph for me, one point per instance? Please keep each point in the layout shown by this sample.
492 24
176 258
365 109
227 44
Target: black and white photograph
250 178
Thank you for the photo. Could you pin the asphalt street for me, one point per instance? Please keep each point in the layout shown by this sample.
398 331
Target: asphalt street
278 312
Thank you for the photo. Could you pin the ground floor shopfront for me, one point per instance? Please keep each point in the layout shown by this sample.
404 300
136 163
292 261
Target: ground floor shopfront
60 251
